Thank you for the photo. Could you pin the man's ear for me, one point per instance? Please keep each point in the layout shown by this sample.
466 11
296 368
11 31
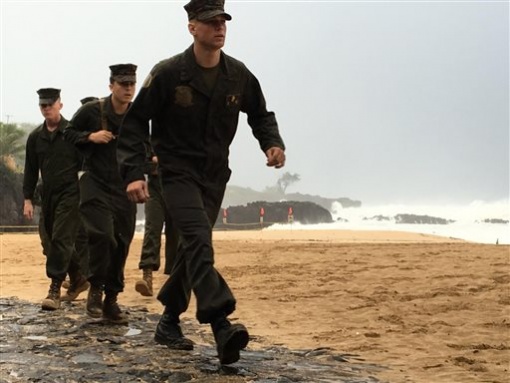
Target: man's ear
192 28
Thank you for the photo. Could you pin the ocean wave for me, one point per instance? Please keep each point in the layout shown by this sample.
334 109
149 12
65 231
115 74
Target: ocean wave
479 221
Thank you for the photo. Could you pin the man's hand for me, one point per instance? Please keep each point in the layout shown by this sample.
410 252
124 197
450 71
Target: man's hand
138 191
275 157
28 210
155 169
101 137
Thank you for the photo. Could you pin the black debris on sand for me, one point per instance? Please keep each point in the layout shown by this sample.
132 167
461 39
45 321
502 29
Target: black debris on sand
66 346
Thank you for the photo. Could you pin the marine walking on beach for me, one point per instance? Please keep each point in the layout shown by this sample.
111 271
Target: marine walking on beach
108 214
192 103
58 162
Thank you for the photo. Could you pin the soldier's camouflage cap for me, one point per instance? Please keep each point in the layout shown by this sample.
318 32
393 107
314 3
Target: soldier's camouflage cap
123 72
206 9
48 95
88 99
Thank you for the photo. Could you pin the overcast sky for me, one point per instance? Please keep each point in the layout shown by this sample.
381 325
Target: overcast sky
380 101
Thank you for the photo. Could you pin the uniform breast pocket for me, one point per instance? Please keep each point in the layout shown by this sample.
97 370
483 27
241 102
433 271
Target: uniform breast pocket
233 102
183 96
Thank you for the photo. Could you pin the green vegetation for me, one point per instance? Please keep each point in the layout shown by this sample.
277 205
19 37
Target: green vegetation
12 153
12 146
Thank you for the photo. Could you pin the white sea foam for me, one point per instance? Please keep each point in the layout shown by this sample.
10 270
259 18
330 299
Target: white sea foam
469 220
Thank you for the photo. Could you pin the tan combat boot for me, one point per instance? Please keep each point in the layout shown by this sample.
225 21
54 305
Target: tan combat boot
111 309
78 285
144 286
52 301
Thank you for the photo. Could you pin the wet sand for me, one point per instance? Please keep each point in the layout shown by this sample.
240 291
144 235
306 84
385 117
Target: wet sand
431 309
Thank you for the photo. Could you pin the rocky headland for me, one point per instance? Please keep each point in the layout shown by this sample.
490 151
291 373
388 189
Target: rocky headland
263 213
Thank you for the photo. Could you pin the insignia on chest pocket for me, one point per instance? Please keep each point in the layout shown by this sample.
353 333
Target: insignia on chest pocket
233 99
183 96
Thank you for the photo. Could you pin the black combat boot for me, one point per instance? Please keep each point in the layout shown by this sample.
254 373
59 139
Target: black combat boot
95 302
78 285
111 309
230 339
144 285
169 333
52 301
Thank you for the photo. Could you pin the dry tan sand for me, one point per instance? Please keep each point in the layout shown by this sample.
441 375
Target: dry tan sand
431 309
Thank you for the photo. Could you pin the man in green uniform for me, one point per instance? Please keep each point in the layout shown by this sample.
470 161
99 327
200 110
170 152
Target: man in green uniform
193 101
156 217
58 162
108 214
80 261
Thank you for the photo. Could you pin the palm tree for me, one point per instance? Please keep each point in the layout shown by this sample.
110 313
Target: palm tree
286 180
11 144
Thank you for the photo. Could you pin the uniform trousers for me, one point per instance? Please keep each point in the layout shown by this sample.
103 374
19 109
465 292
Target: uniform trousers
155 218
109 219
79 262
194 207
60 221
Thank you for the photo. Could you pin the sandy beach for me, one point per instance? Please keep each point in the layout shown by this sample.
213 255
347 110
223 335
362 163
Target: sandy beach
431 309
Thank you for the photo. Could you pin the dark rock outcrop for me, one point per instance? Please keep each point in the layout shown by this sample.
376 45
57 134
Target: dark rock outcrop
496 221
248 217
377 218
421 219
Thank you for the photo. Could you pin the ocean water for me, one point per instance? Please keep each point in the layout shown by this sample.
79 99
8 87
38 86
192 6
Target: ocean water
468 220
